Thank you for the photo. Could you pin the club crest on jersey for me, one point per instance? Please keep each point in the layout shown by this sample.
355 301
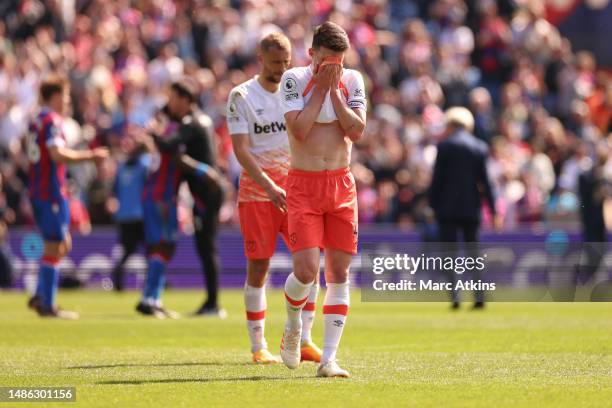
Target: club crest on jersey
250 246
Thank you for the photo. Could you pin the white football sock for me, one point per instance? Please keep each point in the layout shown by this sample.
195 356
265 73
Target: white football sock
308 313
296 295
335 309
255 304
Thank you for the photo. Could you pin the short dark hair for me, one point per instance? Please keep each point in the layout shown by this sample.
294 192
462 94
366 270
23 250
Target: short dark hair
52 85
186 88
331 36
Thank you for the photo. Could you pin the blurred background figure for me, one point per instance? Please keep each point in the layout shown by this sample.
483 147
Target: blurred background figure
6 217
595 186
126 203
460 176
195 137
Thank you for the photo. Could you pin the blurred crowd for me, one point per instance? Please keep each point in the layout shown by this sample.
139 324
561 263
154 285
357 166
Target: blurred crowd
543 108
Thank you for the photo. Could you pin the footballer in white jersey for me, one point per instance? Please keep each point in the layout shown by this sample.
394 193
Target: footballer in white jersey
257 125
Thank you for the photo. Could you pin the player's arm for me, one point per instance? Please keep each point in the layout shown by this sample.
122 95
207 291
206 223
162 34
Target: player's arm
71 156
299 123
201 170
241 146
436 185
206 131
238 125
166 145
350 113
301 117
56 145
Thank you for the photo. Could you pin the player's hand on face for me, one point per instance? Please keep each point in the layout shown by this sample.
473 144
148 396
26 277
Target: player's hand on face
278 197
336 75
100 154
323 78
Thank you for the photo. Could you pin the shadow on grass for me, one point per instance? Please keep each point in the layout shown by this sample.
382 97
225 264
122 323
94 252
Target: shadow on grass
200 380
186 364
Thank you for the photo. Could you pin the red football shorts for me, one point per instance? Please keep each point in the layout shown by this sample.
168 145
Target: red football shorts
322 208
260 223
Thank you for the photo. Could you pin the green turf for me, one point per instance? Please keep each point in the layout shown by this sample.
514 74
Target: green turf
400 354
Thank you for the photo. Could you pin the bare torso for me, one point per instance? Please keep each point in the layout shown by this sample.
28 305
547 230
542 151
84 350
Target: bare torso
325 148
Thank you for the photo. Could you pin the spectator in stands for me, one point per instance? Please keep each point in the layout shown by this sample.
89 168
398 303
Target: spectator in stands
6 217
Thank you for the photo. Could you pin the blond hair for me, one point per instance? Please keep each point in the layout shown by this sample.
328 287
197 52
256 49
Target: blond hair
275 39
459 116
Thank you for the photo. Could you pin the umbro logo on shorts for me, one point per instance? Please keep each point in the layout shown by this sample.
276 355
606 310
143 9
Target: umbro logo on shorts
293 238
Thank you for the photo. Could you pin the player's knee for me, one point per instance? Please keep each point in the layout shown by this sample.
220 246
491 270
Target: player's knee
336 275
53 249
257 271
305 269
165 250
259 266
337 267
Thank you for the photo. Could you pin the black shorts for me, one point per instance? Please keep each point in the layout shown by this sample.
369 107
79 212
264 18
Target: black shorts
131 234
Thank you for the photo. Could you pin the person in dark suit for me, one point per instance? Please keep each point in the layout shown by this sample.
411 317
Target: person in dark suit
459 180
594 188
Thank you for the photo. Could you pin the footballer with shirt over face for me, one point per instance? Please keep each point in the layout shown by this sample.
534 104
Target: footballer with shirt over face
255 121
325 110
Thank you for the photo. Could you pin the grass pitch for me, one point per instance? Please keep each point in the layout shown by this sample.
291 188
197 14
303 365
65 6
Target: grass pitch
400 354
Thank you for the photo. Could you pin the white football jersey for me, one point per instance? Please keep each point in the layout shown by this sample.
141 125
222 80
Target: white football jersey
254 111
297 90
